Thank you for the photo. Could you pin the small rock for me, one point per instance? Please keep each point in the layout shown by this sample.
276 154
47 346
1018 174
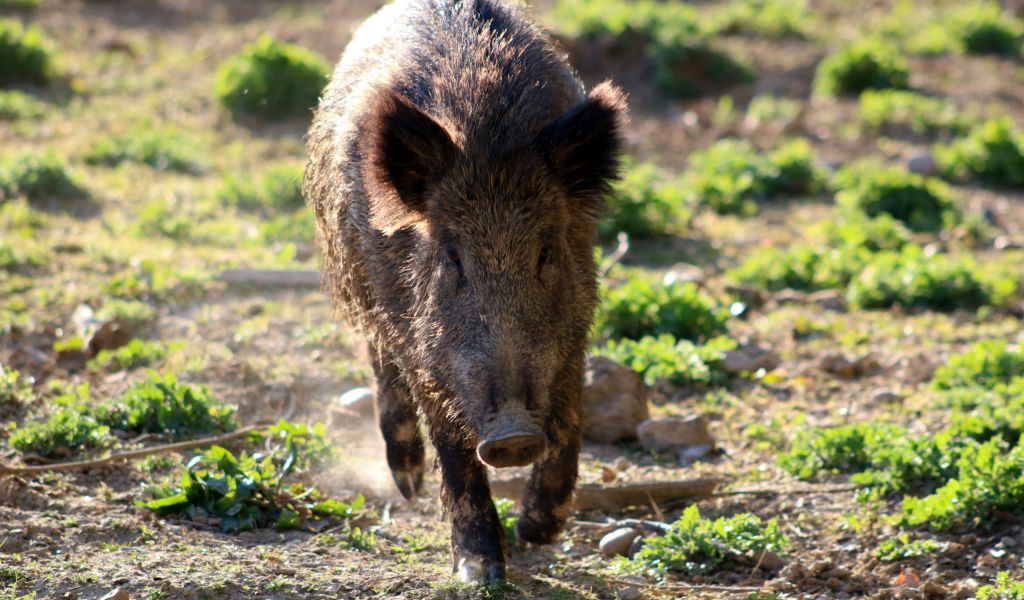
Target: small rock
885 395
819 567
684 273
614 401
674 433
622 464
934 589
117 594
608 474
770 561
790 297
358 399
828 299
750 296
110 335
1004 243
840 366
749 359
629 593
923 163
617 543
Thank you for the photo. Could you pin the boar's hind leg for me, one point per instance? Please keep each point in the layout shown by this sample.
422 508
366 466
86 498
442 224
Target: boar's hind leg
478 540
547 501
399 424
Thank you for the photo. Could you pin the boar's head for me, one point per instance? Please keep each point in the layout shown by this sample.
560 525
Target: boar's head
499 269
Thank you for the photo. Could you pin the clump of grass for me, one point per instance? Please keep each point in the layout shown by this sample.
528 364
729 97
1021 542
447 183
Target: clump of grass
64 429
902 547
1003 589
694 544
13 259
731 177
765 108
163 405
163 147
297 226
774 19
151 280
986 29
912 279
921 204
985 364
279 188
664 358
19 105
641 307
993 153
308 442
14 388
682 56
38 176
507 517
135 354
864 65
26 55
131 312
272 79
904 110
644 204
247 491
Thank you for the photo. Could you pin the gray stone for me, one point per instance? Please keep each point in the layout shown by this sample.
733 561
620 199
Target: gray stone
358 399
886 395
923 163
629 593
675 433
614 401
828 299
749 359
617 543
117 594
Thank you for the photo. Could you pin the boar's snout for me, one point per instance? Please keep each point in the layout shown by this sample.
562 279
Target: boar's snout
516 449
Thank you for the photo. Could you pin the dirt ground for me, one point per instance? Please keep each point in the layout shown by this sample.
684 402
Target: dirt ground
78 535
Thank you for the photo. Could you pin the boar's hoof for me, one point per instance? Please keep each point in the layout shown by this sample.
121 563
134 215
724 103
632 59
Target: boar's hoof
515 450
409 483
535 532
476 570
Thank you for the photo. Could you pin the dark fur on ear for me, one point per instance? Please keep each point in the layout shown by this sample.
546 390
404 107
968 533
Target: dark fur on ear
583 145
404 151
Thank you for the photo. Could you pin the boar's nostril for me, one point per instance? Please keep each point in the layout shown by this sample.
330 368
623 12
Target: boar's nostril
516 450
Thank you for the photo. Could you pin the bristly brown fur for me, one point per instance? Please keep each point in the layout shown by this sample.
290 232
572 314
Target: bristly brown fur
456 168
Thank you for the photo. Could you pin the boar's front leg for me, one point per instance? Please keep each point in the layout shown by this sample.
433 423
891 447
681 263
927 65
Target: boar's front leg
478 539
547 501
396 413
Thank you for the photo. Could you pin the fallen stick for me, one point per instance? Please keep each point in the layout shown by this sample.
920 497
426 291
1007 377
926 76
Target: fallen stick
81 465
609 498
271 277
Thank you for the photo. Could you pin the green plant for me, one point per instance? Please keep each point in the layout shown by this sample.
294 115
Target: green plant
985 364
921 204
903 110
271 79
770 18
643 204
508 518
13 387
136 353
641 307
911 278
37 176
296 226
845 449
732 177
864 65
248 491
680 362
766 108
26 55
131 312
1004 589
163 147
67 428
19 105
163 405
993 153
902 547
680 51
696 545
164 218
14 259
278 188
986 29
308 443
801 267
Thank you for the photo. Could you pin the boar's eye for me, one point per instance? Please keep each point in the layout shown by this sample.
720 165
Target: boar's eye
544 258
453 257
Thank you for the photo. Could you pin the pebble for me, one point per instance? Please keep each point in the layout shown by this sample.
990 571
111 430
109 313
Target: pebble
116 594
923 163
886 395
749 359
614 401
674 432
630 593
828 299
622 464
790 297
617 543
357 399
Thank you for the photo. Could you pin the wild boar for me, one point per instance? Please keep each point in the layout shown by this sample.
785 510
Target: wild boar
457 168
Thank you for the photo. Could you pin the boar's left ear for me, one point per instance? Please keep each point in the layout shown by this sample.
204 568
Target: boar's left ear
583 145
404 150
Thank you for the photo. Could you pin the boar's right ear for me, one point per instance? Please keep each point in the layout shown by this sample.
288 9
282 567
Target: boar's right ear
404 150
583 145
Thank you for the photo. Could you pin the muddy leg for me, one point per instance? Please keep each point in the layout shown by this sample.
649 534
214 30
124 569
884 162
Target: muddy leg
547 501
399 424
478 540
